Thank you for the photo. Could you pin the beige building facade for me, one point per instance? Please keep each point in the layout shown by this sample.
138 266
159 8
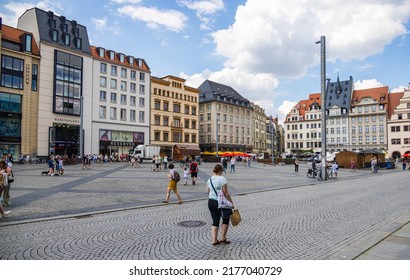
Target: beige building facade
19 93
259 129
225 119
174 114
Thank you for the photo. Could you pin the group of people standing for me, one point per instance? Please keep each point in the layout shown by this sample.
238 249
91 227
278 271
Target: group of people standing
159 163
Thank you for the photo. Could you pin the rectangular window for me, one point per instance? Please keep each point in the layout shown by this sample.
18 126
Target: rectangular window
133 100
113 113
157 136
177 123
113 84
103 82
165 106
34 76
123 114
54 35
133 75
142 89
103 68
66 39
142 77
123 99
165 136
141 116
12 70
142 102
113 70
103 95
177 108
113 98
166 121
123 73
132 115
103 112
67 83
123 86
133 87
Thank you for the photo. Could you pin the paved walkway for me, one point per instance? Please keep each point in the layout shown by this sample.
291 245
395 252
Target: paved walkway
115 212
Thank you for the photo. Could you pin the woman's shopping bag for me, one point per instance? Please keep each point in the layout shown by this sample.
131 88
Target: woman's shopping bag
235 217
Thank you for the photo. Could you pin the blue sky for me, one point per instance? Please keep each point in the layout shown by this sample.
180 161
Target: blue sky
264 49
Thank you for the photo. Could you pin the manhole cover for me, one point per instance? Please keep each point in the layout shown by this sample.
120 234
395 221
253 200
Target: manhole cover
191 223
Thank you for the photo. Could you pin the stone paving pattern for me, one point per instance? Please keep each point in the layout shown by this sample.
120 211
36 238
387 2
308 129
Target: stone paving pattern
114 212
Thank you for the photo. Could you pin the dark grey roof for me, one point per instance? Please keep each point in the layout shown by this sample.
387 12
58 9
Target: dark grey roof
44 28
212 91
339 93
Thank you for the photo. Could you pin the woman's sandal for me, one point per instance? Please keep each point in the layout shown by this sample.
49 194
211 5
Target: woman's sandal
225 241
216 242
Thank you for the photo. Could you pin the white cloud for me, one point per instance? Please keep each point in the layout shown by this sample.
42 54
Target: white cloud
263 40
284 109
277 39
155 18
100 25
398 89
15 10
120 2
205 10
365 84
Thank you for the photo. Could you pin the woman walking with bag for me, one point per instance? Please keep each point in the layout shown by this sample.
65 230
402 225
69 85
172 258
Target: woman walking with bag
218 183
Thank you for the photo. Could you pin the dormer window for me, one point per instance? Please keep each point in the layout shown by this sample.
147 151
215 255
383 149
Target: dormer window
111 55
26 43
66 39
131 60
64 27
139 61
52 23
76 31
121 57
78 43
101 52
54 35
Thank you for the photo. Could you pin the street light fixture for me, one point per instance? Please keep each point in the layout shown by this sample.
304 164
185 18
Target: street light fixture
322 43
272 141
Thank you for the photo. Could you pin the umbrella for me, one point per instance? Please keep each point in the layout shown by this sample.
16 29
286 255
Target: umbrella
406 154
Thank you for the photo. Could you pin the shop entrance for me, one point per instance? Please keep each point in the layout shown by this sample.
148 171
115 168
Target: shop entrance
64 140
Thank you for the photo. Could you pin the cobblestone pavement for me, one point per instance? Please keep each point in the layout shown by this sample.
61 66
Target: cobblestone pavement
114 212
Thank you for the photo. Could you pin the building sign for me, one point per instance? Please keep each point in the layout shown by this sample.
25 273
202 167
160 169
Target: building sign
120 138
66 120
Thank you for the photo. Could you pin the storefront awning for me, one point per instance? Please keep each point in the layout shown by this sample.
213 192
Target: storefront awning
188 150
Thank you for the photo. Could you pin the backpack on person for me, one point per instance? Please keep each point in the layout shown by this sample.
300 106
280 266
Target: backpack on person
177 177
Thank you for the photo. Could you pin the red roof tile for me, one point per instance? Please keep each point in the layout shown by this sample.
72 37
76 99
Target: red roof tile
13 35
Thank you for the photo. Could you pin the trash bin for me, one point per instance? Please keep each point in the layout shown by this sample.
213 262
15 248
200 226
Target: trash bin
388 165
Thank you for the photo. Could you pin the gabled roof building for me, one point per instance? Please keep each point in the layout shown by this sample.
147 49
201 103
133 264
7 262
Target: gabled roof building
398 124
367 120
225 119
338 99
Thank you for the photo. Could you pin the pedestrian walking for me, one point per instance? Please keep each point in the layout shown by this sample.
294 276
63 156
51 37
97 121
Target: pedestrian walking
186 173
193 169
218 183
296 165
352 166
233 165
172 185
335 168
165 161
404 164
